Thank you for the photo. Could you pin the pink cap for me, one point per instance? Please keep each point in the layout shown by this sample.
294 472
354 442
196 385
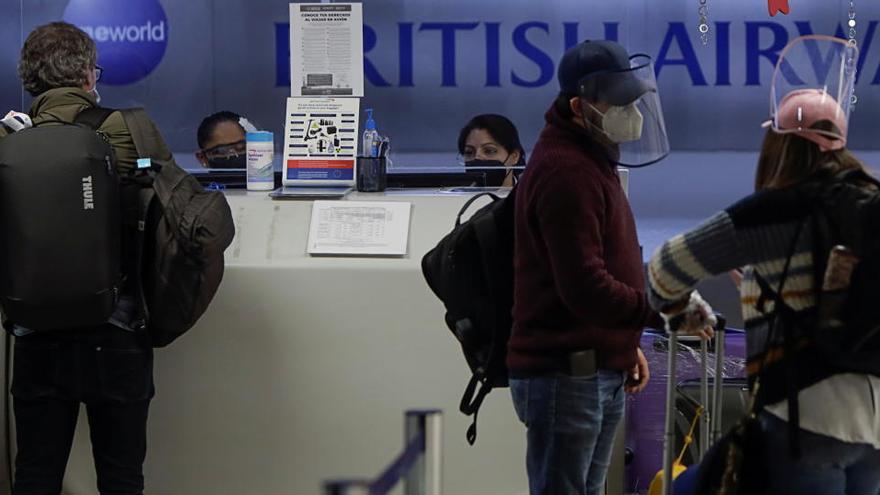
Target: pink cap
799 110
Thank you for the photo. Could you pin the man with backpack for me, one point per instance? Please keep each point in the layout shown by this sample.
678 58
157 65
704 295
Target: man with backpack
75 353
579 299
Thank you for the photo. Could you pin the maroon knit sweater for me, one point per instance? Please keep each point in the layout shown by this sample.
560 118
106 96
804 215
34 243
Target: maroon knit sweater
579 277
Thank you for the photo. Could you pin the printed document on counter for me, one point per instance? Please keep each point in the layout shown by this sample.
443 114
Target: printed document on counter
371 228
326 49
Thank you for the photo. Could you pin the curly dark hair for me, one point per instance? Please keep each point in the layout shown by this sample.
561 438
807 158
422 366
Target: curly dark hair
56 55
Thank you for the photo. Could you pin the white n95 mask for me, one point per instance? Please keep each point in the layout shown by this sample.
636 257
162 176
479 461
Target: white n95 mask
623 124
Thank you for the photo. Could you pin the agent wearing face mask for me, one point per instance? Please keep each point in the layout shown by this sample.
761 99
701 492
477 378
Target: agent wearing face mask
221 139
579 290
489 143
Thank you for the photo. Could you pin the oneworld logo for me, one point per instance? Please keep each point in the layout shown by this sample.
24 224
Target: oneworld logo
88 194
131 36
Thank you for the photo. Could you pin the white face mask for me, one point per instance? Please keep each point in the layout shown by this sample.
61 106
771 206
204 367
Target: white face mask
622 124
96 94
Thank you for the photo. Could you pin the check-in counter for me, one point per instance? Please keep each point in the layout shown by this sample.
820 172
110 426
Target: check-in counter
303 366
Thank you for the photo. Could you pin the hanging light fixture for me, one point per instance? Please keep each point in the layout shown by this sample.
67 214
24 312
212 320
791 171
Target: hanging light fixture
703 11
851 62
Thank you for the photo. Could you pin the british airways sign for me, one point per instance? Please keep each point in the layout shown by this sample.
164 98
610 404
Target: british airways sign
431 65
763 42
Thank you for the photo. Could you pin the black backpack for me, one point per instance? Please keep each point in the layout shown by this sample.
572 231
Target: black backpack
848 214
471 271
60 227
178 232
844 210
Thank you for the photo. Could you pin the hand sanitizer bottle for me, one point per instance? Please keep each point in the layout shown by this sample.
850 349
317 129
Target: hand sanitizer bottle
371 136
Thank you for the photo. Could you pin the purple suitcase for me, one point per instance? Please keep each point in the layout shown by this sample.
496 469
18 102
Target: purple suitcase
646 412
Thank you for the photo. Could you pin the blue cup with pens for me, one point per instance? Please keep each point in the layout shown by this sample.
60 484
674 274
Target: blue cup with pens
372 170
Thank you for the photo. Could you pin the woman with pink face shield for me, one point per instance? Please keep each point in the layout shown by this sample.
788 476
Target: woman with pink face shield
817 410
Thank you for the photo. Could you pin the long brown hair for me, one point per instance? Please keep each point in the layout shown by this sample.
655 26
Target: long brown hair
788 158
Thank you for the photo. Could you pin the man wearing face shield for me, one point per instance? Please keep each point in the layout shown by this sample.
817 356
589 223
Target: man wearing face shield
579 298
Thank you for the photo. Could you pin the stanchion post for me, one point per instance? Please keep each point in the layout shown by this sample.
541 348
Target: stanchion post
346 487
426 475
669 428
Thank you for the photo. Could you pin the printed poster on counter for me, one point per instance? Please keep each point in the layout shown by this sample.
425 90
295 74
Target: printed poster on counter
320 141
326 49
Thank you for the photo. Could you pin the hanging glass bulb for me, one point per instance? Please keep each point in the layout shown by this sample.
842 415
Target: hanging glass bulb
703 12
851 62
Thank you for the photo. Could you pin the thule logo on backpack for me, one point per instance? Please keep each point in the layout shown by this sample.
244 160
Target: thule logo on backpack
88 197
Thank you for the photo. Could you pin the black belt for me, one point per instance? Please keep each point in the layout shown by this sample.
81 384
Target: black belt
576 364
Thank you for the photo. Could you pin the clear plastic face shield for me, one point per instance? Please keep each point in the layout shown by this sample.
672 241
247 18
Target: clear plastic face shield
623 109
812 88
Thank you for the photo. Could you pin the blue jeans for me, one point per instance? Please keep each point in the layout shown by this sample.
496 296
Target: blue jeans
571 423
827 466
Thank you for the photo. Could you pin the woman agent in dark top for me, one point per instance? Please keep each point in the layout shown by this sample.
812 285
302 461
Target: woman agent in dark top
491 141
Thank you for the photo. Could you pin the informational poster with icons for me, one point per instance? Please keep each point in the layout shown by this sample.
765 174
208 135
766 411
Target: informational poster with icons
320 141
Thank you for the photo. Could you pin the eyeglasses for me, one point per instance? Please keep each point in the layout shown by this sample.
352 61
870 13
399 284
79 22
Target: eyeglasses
224 150
98 71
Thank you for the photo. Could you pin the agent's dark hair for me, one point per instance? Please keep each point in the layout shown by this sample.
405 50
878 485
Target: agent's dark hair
56 55
209 123
500 128
788 158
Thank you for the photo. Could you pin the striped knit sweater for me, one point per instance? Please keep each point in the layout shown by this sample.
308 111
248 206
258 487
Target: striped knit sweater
757 234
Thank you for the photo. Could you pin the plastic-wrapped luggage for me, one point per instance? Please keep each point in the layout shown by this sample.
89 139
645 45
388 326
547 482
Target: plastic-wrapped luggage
646 412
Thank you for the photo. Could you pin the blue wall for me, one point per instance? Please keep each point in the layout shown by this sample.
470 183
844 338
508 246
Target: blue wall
431 65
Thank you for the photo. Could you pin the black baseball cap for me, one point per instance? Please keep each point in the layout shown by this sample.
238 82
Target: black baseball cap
600 70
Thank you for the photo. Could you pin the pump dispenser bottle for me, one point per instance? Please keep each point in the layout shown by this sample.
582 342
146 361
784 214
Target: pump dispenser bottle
371 136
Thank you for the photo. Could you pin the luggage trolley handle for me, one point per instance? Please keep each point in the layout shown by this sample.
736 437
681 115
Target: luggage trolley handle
718 390
714 420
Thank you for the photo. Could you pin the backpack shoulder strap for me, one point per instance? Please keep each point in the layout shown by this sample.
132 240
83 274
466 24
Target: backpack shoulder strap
469 202
149 144
857 175
471 401
93 117
147 139
134 120
782 310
